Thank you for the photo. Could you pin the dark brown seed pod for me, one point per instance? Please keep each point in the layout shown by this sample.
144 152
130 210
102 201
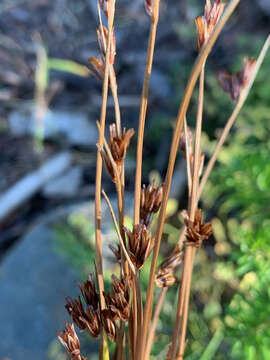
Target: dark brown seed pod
248 65
234 83
165 276
89 293
70 341
151 198
230 83
122 297
165 279
119 143
109 323
76 311
172 261
140 244
197 230
119 302
92 321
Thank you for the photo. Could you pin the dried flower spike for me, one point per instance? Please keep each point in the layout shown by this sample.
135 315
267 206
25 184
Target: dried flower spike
140 244
165 279
109 323
206 23
122 298
70 341
92 321
234 83
76 311
151 197
88 319
248 65
89 293
165 276
119 143
197 230
103 38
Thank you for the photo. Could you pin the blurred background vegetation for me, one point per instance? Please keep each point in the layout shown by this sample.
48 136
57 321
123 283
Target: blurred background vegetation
44 49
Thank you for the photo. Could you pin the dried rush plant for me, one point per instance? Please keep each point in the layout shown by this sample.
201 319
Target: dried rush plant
125 316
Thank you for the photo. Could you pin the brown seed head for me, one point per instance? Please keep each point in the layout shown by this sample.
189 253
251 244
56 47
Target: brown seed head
206 23
151 198
92 321
140 244
234 83
89 293
197 230
165 276
119 143
109 323
103 37
119 302
76 311
122 298
230 83
248 65
165 279
172 261
70 341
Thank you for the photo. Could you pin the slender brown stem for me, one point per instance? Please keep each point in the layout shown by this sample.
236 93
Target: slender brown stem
180 305
99 159
120 343
113 84
174 147
143 108
153 326
197 151
118 231
242 98
188 152
139 306
180 352
135 315
192 208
